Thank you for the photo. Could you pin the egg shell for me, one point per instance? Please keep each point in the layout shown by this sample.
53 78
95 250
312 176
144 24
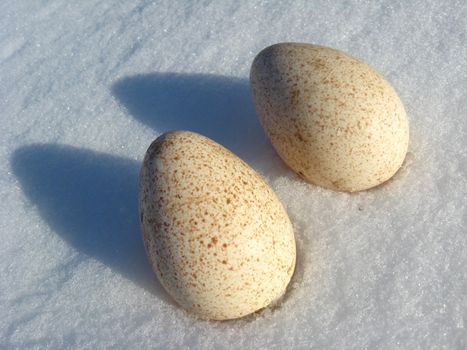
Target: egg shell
218 239
333 119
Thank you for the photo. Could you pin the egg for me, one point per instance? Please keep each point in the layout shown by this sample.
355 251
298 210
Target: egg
218 239
333 119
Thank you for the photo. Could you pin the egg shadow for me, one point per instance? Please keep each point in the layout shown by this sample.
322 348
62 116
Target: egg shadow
219 107
90 200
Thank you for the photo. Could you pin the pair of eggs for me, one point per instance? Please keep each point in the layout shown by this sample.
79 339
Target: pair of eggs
218 238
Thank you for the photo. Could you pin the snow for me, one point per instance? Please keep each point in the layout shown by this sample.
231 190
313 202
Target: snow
87 85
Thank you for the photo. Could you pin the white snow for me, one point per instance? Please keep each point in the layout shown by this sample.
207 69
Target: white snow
87 85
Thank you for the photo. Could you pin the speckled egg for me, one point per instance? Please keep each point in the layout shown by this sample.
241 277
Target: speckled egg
333 119
217 236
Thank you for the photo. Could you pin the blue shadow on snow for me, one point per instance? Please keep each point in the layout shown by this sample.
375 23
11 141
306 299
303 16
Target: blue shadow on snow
216 106
90 200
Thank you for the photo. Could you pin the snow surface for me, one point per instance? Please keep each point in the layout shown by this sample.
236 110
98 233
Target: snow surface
87 85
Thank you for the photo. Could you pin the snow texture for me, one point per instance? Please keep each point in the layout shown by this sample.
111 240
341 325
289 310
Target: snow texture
87 85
